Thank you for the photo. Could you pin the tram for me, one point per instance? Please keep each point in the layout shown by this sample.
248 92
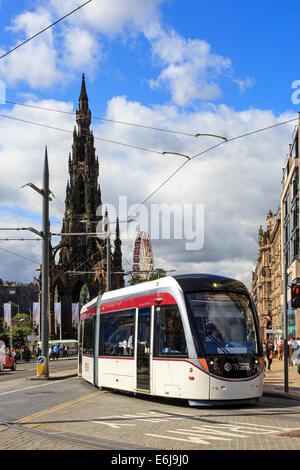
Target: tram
194 337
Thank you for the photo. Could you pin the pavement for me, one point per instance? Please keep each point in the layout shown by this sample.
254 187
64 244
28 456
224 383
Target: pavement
77 429
274 381
57 374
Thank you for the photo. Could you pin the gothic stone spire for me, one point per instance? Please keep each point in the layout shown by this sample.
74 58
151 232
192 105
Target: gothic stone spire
83 114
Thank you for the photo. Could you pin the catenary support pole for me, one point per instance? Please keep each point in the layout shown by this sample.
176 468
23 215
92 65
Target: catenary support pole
285 328
45 266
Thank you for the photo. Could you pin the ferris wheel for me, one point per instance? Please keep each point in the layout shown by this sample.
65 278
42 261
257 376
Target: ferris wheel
142 255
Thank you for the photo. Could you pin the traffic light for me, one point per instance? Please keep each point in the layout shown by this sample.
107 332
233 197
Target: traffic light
295 300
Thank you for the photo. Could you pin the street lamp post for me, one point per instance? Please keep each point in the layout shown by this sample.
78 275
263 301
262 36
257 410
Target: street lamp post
285 328
45 235
45 266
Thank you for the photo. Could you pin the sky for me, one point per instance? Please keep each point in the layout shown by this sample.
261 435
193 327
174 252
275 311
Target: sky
223 68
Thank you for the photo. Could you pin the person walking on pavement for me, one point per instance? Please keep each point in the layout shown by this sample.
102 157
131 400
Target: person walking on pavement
280 348
55 352
290 351
270 353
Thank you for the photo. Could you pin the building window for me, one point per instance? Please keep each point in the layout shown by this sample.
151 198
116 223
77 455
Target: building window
295 214
295 245
286 205
287 254
295 147
287 231
295 183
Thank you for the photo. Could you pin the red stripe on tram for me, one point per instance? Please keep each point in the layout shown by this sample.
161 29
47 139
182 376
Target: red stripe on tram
88 313
160 298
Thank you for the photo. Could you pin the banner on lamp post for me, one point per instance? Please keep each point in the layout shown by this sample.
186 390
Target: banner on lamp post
7 315
57 313
75 314
36 313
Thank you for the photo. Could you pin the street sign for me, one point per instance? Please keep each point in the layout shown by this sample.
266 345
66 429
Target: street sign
33 338
41 363
274 331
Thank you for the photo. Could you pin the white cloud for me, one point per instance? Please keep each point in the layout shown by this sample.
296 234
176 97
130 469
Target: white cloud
80 50
35 62
237 183
190 67
110 18
74 43
244 84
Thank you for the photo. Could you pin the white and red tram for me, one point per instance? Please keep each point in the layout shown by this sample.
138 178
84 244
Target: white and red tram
193 337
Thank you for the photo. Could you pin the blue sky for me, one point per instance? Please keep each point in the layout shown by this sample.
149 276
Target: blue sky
259 38
223 67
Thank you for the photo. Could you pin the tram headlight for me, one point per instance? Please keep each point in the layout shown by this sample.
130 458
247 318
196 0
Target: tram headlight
227 367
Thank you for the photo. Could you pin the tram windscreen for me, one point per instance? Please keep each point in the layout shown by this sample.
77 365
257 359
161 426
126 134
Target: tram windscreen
225 322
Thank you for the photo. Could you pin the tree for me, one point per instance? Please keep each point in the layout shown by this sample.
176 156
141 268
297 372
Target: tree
136 280
23 320
5 337
84 295
157 274
19 336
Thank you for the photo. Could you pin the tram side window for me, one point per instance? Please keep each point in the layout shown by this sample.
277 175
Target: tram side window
117 333
88 336
169 333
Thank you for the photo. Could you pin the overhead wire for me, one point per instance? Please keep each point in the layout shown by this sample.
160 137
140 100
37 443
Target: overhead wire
206 151
71 132
225 140
20 256
121 122
43 30
133 124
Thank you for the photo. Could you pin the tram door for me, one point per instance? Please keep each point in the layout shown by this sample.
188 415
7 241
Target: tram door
143 349
80 343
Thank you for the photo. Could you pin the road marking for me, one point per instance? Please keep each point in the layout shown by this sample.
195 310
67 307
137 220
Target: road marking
113 425
151 417
205 433
33 386
59 407
196 440
54 408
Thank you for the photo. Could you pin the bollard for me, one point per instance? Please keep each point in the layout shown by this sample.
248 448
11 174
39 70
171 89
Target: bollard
41 365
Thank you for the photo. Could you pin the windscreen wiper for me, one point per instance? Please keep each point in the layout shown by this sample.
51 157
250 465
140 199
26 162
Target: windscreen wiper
220 346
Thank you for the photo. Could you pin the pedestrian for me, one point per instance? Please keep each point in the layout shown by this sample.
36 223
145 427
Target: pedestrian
37 351
290 351
280 348
55 352
294 344
270 353
275 349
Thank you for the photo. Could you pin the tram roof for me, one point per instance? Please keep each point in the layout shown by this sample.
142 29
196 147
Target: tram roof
187 282
193 282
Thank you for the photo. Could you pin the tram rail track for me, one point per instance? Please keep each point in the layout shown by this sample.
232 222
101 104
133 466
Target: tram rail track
83 442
